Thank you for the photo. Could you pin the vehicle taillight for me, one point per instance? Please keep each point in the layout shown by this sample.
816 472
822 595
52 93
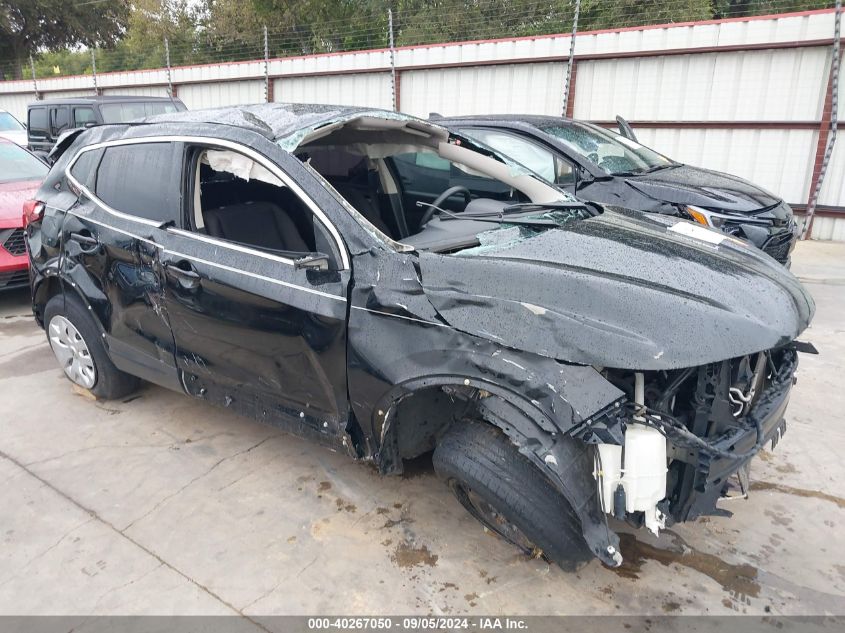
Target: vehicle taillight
33 211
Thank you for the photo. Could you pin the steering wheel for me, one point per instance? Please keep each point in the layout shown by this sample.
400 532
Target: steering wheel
451 191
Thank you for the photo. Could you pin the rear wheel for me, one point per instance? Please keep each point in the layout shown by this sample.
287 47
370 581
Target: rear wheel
508 494
78 347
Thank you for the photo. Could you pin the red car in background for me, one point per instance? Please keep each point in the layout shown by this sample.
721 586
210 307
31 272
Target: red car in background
21 173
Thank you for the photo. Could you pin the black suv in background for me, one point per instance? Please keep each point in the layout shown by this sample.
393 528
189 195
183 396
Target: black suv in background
599 165
289 262
48 119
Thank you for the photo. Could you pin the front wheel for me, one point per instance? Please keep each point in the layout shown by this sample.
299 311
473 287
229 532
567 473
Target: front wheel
508 494
78 346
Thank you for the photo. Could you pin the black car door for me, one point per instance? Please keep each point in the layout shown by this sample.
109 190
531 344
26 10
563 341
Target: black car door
255 330
125 193
38 129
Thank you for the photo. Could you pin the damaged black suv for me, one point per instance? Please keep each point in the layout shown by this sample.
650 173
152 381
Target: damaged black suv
564 361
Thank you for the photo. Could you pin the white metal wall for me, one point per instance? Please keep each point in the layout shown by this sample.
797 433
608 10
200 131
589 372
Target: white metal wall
506 89
833 188
66 94
828 228
217 94
141 91
776 160
365 89
775 85
16 104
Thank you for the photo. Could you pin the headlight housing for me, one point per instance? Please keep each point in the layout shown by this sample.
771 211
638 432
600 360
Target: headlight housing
720 220
705 217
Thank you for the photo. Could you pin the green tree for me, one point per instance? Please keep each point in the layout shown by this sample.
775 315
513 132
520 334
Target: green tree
317 26
132 37
30 26
597 14
742 8
233 24
150 23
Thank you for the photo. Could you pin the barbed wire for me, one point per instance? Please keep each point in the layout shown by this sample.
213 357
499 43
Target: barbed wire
433 23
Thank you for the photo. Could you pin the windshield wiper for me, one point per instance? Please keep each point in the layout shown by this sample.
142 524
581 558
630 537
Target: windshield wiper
523 207
659 167
487 218
640 172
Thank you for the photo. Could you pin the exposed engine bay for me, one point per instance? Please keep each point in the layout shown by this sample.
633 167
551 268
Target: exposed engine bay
688 431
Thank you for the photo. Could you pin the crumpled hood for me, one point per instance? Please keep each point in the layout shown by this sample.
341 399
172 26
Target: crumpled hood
704 188
621 290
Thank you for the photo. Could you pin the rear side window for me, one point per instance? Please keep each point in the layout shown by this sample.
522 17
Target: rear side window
121 112
85 167
83 116
38 121
141 180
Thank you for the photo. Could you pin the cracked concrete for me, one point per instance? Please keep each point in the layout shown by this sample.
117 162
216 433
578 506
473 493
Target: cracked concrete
160 504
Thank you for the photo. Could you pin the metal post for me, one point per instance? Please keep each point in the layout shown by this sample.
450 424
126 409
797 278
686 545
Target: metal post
167 62
94 71
571 59
266 67
806 231
392 60
34 83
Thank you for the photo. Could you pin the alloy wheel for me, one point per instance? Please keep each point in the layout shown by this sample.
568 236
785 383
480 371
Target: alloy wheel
72 352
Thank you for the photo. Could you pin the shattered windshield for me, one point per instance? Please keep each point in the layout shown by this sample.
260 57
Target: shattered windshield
508 235
615 154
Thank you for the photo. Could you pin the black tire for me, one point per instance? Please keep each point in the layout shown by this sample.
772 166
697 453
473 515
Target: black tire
110 383
478 461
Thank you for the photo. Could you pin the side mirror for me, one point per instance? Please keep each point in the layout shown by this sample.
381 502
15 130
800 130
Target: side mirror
582 175
625 128
317 261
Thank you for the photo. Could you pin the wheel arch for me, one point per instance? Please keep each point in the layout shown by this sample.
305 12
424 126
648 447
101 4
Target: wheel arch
412 402
567 462
44 288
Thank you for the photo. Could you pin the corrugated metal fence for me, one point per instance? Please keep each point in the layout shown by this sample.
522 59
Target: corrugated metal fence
746 96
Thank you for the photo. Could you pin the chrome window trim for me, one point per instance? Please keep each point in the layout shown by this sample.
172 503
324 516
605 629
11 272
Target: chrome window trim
213 141
231 246
272 280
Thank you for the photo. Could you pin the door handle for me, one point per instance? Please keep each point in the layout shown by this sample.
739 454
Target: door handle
184 272
88 243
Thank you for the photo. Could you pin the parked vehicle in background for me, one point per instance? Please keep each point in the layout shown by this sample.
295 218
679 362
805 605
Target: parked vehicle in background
21 173
11 129
597 164
293 263
48 119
